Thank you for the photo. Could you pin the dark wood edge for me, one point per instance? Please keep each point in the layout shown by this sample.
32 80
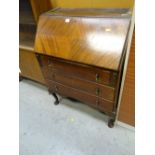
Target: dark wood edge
76 63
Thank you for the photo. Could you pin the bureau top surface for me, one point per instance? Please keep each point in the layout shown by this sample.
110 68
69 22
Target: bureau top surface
90 36
82 12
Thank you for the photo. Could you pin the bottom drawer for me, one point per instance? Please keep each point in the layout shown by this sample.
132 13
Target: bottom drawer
91 100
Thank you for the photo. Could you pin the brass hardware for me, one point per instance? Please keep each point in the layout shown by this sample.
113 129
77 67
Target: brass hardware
97 77
97 91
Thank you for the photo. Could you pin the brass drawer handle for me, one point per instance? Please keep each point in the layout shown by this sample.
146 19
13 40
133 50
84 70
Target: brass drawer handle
97 77
97 91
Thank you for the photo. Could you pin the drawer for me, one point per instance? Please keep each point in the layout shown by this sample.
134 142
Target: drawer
102 91
81 71
81 96
105 106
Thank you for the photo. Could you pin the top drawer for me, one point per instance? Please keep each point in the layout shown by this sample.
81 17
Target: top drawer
76 70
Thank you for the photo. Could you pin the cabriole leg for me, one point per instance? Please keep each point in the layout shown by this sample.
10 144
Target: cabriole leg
55 96
56 99
111 122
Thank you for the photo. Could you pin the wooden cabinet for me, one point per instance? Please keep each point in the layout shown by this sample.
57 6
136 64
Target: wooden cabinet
81 53
29 66
29 11
27 26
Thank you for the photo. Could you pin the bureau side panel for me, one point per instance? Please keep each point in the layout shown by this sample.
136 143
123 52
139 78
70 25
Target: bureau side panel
127 106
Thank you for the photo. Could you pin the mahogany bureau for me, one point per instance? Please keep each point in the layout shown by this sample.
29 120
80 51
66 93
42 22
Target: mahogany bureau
81 54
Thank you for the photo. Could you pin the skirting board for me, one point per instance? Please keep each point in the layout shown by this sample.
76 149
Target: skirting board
125 125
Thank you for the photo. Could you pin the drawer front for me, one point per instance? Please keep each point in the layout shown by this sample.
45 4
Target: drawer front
81 96
77 70
105 106
102 91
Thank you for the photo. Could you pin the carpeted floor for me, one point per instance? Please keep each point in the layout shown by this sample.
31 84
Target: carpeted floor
70 128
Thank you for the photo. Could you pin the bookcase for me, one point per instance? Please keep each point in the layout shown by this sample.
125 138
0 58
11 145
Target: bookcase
29 11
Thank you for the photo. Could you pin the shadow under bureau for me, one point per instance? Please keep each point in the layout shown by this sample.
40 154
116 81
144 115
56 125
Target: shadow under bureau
81 54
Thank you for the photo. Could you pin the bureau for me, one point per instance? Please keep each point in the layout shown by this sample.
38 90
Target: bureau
81 54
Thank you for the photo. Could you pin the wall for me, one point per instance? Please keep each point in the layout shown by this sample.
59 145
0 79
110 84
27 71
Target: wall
93 3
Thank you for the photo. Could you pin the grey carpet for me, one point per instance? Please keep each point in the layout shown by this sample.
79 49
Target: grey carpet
71 128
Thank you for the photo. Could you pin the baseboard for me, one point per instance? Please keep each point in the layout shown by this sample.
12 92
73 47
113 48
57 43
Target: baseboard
125 125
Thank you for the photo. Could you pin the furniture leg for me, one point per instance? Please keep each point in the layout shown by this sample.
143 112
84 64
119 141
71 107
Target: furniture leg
56 99
111 122
55 96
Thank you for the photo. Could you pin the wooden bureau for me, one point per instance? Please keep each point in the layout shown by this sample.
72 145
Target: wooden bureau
81 54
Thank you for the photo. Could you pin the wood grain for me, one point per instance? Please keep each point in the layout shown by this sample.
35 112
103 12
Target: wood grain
63 76
80 47
94 41
127 105
29 66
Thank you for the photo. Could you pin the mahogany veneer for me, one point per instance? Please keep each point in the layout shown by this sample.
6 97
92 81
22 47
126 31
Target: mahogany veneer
81 54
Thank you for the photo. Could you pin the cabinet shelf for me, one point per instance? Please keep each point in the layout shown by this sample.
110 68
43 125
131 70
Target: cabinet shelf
26 41
26 17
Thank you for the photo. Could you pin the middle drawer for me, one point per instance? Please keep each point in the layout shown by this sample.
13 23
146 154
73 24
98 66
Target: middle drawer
102 91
